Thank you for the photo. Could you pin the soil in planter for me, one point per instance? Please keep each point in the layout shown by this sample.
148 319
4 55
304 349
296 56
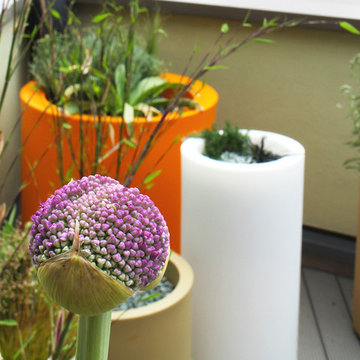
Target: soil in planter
143 298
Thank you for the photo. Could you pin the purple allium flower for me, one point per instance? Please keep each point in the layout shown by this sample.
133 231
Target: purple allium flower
120 230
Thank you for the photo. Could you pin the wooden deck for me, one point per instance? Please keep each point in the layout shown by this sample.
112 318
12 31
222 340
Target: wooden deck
325 331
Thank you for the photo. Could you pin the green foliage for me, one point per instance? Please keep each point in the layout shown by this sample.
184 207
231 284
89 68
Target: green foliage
25 311
19 295
102 66
224 28
264 41
349 27
152 176
353 96
109 67
150 297
232 140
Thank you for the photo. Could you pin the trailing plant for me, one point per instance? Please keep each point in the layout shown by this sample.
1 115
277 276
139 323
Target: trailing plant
232 145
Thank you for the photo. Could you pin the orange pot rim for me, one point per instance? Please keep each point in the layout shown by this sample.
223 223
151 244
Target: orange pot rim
204 94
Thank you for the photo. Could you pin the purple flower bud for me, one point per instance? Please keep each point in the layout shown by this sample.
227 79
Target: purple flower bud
120 230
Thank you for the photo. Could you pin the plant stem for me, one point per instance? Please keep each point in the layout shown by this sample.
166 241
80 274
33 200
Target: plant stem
59 145
93 337
63 335
134 9
98 145
118 154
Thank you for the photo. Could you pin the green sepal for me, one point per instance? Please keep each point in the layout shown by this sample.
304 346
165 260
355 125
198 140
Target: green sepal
79 286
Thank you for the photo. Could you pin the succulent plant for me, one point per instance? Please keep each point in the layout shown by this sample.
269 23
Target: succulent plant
95 242
231 145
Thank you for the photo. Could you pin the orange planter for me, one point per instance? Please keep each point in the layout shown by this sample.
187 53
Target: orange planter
39 150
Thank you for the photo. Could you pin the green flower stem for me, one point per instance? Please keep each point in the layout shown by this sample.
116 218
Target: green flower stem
93 337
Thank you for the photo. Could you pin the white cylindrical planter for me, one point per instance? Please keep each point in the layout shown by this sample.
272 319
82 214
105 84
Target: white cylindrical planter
241 232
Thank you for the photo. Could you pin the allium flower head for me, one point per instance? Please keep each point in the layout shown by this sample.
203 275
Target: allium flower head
115 229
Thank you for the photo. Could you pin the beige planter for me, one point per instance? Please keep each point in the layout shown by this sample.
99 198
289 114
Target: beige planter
162 330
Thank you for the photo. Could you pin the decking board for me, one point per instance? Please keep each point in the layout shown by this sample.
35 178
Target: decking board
331 314
310 345
346 285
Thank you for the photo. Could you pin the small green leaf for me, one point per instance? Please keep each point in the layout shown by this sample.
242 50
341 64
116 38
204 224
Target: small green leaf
129 49
350 28
215 67
55 14
66 126
224 28
148 87
228 49
143 10
100 17
263 41
8 322
246 18
70 69
150 297
69 172
152 176
12 216
129 143
71 108
98 74
196 48
162 32
120 80
34 31
27 342
274 22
